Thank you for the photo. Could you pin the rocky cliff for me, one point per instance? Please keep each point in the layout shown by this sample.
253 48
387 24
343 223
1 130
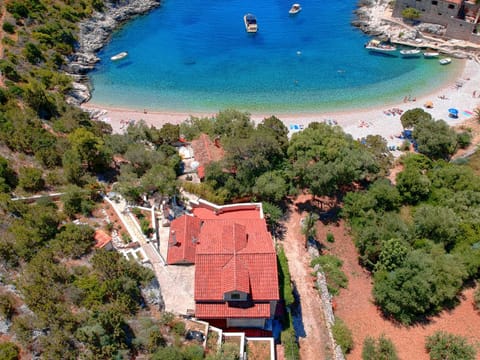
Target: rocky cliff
94 33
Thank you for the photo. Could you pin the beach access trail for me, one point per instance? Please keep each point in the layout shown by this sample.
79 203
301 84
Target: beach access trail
462 93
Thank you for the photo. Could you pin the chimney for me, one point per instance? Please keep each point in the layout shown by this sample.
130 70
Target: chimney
173 238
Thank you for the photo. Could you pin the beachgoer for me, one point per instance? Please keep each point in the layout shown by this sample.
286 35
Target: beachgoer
474 94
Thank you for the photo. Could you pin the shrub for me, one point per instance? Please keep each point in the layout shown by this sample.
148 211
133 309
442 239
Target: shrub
30 179
284 277
332 267
464 139
9 351
342 335
476 299
381 349
290 344
8 27
411 14
179 328
330 237
442 345
7 307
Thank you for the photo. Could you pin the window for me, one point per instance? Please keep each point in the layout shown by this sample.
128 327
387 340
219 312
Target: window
434 2
440 14
235 296
451 6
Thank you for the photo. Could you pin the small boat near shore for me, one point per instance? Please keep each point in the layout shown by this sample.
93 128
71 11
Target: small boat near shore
250 23
295 9
430 54
406 53
119 56
380 46
445 61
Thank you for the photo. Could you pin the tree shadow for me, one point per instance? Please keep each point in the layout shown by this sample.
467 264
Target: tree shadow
296 313
327 209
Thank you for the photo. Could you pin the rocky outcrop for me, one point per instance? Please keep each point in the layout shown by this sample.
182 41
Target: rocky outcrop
94 33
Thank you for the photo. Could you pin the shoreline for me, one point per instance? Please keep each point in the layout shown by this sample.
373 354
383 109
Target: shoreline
359 123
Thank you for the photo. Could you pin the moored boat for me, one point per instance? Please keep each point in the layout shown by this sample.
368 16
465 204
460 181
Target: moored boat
445 61
250 23
409 52
380 46
119 56
296 8
430 54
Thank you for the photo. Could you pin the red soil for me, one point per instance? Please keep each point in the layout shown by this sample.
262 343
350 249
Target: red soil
355 306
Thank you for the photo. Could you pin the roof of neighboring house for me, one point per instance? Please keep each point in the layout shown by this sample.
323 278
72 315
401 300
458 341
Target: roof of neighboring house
206 151
184 233
101 239
458 2
228 310
235 255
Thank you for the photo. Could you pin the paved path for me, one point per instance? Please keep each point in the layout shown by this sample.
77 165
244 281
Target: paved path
176 282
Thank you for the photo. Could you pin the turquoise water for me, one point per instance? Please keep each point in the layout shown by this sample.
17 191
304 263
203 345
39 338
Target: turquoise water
192 55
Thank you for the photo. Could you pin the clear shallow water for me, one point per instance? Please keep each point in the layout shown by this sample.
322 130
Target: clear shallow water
192 55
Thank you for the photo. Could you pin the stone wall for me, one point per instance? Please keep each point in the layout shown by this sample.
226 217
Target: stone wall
327 310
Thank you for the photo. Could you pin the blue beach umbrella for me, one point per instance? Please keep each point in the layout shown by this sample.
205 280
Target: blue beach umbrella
453 112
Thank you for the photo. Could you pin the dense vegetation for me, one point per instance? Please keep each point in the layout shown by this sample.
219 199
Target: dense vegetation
419 237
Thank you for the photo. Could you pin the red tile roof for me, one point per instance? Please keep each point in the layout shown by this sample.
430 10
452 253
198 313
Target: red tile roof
184 233
235 255
101 239
225 310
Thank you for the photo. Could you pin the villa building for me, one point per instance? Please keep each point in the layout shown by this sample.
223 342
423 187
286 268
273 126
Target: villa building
459 17
236 279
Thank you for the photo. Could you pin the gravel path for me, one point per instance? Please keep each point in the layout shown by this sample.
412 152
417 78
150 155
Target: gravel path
314 342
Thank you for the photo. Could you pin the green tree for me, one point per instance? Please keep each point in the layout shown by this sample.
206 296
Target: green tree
412 117
76 200
413 186
309 227
33 53
73 241
7 306
436 139
89 147
379 349
233 124
392 255
342 335
9 351
72 167
377 146
411 13
442 345
271 186
8 178
439 224
30 179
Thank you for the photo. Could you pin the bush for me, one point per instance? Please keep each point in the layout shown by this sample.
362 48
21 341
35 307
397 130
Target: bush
290 344
332 267
8 27
9 351
476 299
179 328
330 237
7 307
381 349
464 139
30 179
442 345
284 277
342 335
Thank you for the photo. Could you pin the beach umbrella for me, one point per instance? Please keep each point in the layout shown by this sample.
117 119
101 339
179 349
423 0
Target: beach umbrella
453 112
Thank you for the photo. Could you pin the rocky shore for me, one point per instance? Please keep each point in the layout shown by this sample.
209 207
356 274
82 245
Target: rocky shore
374 17
94 33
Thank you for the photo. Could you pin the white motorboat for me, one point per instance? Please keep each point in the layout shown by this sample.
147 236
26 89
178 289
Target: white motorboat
445 61
380 46
409 52
250 23
296 8
119 56
430 54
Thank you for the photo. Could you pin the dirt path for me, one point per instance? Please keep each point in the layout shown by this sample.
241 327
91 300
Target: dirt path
314 341
355 306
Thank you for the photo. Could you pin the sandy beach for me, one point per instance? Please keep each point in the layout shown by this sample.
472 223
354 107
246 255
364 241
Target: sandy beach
462 94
